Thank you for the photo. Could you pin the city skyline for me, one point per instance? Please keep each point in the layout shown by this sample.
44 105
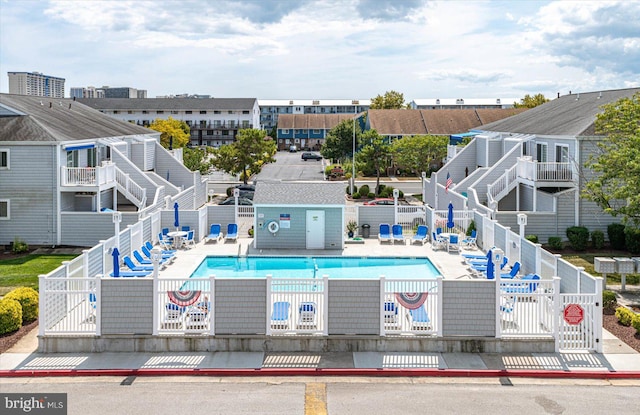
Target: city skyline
326 49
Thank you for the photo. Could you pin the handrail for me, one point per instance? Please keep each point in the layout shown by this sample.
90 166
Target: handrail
131 188
502 185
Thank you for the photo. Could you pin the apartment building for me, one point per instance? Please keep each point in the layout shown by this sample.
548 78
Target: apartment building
36 84
270 109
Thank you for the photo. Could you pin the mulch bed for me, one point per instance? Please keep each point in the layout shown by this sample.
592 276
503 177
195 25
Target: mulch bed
626 334
8 340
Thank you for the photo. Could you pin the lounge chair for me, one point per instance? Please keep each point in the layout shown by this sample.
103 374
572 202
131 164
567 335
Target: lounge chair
165 241
197 317
307 315
438 241
232 232
422 235
123 273
513 273
280 315
384 234
174 317
168 255
390 316
93 304
189 239
146 261
419 319
215 233
470 241
522 286
454 244
397 233
508 307
133 267
149 246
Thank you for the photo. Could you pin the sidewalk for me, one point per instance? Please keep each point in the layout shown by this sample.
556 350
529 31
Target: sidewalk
617 361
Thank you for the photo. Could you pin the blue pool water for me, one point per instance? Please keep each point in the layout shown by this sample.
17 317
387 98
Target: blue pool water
315 267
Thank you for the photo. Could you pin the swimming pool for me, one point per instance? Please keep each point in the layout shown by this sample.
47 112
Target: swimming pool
316 267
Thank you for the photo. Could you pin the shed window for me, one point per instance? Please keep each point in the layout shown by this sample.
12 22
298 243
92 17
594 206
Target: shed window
4 159
4 209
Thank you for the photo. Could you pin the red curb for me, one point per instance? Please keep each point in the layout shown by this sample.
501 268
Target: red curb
549 374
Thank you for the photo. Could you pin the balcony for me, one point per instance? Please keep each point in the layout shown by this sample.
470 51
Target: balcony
537 171
88 176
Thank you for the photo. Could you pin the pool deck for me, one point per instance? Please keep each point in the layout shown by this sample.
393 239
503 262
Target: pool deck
450 264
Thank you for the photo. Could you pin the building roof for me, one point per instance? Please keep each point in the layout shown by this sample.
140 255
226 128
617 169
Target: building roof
434 102
570 115
299 193
437 122
31 118
312 102
168 104
311 121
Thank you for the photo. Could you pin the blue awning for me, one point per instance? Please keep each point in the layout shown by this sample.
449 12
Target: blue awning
80 147
457 138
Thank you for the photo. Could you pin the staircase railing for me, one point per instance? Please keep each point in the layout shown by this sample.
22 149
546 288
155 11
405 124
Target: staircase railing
503 185
131 189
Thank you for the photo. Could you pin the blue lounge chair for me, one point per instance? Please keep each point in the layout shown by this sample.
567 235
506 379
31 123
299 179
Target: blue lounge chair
419 319
513 273
215 233
174 316
130 274
232 232
384 233
523 286
280 315
165 254
397 233
508 308
307 315
145 261
390 316
422 235
133 267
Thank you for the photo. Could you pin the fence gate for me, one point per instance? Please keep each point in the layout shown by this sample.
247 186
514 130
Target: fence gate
580 322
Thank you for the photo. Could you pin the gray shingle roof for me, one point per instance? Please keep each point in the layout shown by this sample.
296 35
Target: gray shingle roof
153 104
299 193
56 119
570 115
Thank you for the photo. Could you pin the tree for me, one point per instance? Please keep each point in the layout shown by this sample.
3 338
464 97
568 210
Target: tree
616 186
246 155
531 101
376 151
174 132
417 153
338 145
390 101
197 159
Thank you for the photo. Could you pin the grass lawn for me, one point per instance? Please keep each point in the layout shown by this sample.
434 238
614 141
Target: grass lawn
24 271
586 261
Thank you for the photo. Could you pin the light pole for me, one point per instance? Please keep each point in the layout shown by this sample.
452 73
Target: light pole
353 154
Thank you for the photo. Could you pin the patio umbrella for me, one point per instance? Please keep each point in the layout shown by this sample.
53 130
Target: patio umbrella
116 262
490 268
450 223
176 215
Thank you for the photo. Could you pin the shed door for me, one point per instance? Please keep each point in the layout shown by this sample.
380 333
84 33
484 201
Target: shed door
315 229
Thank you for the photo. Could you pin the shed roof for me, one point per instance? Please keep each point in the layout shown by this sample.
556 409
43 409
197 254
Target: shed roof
299 193
30 118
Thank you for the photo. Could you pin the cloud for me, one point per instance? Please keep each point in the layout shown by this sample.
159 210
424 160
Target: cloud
387 9
468 76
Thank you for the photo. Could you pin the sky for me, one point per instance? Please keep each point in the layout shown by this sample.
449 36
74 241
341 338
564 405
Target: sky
326 49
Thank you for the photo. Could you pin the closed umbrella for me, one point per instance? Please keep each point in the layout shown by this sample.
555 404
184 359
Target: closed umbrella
116 262
450 223
176 215
490 268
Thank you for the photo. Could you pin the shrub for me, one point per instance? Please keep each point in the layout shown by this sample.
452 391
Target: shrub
19 246
371 195
400 194
636 323
355 189
10 315
230 191
624 315
28 299
632 239
381 187
364 189
615 232
471 228
609 301
386 192
555 242
578 237
597 238
356 195
532 238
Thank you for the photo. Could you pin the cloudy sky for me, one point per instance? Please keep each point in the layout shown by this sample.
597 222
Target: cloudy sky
326 49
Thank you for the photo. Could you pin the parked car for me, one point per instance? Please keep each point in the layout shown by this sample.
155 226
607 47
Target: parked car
292 149
311 156
242 201
380 201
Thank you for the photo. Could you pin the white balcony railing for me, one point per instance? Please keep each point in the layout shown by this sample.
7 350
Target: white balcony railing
545 171
88 176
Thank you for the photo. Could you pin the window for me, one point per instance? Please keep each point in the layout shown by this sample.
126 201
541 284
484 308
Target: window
72 158
209 132
230 112
203 112
285 131
91 157
188 112
174 112
4 209
145 111
159 112
245 112
216 112
541 152
116 112
562 154
316 131
129 112
4 159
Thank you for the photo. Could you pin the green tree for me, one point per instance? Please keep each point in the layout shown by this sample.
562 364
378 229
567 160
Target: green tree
171 127
418 152
389 101
616 185
338 145
376 151
197 159
246 155
531 101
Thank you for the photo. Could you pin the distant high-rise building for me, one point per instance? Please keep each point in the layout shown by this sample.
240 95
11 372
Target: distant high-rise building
88 92
35 84
123 92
